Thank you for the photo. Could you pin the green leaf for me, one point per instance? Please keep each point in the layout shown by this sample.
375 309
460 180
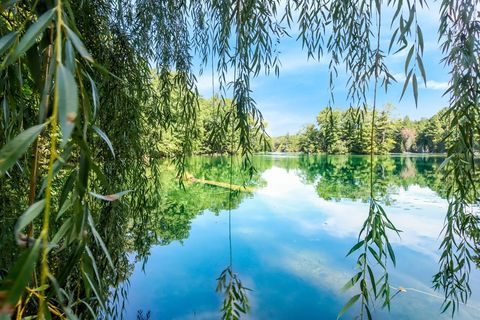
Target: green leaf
69 56
95 289
66 226
32 33
405 84
356 247
21 273
96 100
415 89
67 101
348 305
391 253
78 44
422 68
16 147
110 197
105 138
99 240
6 41
409 57
29 215
420 38
350 283
372 280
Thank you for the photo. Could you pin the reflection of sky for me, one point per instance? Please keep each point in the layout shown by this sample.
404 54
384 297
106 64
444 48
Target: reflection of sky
416 211
289 246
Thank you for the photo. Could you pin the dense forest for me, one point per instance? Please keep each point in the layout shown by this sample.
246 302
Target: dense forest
207 140
340 132
336 132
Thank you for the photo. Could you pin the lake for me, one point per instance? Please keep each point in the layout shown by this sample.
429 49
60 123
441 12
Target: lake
286 239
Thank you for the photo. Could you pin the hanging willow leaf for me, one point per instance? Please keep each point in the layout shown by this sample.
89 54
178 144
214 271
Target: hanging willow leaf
422 69
78 44
16 147
67 101
356 247
99 240
110 197
415 89
96 100
6 41
29 215
105 138
21 274
409 57
32 33
348 305
95 290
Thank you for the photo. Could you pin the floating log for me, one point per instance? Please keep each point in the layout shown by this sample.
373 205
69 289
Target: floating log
191 178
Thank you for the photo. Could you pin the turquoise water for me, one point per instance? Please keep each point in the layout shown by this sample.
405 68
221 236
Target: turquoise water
288 240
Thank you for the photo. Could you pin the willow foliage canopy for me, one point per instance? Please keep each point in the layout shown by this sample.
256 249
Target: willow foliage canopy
79 101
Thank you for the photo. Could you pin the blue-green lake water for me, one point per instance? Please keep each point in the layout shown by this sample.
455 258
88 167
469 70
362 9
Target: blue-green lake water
288 239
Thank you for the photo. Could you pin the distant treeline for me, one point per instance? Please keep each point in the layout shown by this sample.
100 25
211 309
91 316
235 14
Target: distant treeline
349 131
211 131
335 132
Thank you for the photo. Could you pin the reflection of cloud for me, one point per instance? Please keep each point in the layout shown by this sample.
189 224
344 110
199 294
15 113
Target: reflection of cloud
314 268
418 212
319 271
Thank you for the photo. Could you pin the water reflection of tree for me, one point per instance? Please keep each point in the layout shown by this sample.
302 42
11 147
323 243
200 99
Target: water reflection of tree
163 210
235 294
159 211
347 177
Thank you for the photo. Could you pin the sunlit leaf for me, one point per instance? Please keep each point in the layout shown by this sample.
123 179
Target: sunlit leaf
67 101
110 197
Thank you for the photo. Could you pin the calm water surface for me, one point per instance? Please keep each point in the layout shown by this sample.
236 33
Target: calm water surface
289 239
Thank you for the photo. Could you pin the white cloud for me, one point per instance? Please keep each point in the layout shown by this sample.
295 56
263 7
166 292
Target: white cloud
436 85
298 61
283 122
431 84
204 82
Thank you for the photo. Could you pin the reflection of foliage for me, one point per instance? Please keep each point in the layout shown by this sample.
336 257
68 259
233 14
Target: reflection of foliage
141 316
235 300
159 211
347 177
165 209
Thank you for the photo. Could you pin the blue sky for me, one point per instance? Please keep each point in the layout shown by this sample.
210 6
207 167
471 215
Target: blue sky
301 91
